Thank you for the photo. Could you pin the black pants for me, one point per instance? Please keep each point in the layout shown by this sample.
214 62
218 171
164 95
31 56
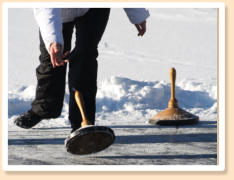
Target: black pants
82 74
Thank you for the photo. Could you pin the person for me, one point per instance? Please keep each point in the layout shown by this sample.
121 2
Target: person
56 28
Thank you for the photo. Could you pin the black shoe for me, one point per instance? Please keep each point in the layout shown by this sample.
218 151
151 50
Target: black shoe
27 120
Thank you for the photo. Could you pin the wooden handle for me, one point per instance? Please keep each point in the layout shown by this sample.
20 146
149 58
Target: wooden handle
173 101
80 103
173 78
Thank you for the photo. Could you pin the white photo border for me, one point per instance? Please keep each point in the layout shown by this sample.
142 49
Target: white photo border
221 87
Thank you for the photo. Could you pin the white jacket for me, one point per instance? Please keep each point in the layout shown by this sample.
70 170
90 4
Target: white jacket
50 20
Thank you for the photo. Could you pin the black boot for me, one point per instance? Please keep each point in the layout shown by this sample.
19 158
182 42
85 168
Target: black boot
27 120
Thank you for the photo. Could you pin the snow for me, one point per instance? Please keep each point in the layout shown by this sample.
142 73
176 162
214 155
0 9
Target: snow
133 85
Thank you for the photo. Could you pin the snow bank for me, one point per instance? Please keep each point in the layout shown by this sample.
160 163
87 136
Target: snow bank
123 96
118 93
19 100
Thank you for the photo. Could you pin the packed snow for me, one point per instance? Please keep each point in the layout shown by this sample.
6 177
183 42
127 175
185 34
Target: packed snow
133 85
123 96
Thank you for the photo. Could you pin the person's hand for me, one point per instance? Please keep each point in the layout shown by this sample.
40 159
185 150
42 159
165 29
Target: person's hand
141 28
57 55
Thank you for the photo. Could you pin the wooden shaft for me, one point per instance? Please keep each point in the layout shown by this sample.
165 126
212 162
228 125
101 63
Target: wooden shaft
80 103
173 101
173 78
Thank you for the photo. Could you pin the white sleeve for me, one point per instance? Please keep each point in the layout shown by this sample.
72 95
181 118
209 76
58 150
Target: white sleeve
50 24
137 15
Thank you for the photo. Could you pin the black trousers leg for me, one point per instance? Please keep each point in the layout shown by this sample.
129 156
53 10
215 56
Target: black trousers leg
50 89
83 65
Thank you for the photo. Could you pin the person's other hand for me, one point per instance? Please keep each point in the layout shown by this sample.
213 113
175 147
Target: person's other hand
57 55
141 28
